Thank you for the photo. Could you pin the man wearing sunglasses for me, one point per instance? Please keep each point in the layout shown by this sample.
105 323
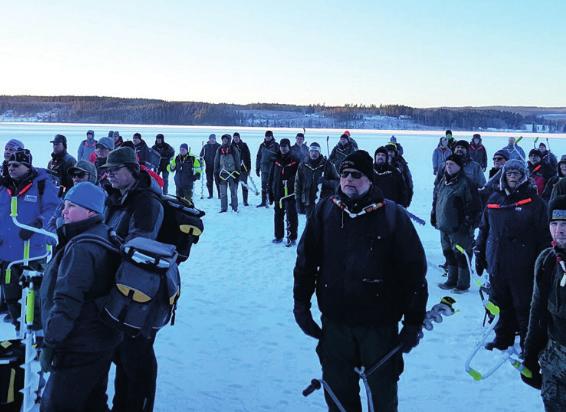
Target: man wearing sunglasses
499 159
11 147
36 198
365 260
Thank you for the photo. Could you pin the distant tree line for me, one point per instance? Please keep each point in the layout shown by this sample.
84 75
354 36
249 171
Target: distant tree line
91 109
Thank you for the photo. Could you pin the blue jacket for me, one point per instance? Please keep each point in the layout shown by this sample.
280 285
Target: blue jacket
33 209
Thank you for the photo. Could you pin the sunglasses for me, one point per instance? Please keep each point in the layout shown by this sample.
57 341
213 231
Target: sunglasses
79 175
353 173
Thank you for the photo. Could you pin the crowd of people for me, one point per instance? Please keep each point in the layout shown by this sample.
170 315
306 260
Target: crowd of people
357 241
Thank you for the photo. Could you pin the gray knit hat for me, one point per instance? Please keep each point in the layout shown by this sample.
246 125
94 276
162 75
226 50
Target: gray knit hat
87 195
15 144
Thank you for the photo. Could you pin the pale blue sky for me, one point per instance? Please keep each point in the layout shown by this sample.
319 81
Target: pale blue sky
415 52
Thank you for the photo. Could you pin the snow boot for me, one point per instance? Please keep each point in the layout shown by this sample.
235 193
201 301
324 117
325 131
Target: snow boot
290 243
500 343
452 279
276 240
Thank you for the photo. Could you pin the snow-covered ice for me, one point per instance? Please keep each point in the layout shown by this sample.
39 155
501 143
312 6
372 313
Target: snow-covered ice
235 345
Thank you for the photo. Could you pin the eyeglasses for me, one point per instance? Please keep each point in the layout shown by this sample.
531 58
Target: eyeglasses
113 170
78 175
14 165
355 174
498 159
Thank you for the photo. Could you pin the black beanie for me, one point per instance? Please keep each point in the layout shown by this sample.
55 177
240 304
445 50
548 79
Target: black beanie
268 133
285 142
381 149
459 160
22 156
464 144
535 152
557 208
359 160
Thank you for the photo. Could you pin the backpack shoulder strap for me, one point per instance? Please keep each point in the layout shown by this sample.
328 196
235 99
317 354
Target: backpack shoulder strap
90 238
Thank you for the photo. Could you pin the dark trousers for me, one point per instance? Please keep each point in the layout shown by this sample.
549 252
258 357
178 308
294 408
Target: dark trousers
211 180
185 192
264 186
290 209
512 293
464 238
136 374
78 382
165 174
342 348
244 178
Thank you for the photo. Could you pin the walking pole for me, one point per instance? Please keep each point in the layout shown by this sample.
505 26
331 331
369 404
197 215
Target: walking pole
327 147
201 176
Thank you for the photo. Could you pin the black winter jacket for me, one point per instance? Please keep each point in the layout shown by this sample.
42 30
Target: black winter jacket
245 156
340 152
73 280
59 166
283 170
266 155
312 173
208 152
391 183
137 212
367 270
166 152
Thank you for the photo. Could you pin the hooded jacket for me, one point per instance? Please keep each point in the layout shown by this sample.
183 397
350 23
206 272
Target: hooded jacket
439 157
310 175
340 152
281 181
58 167
166 152
478 153
266 155
391 183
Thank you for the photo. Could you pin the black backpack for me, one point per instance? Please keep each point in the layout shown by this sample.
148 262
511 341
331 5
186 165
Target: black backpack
12 357
182 225
146 288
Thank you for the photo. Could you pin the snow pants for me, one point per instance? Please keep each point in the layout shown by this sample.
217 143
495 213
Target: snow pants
244 178
78 382
185 192
264 185
136 375
342 348
165 175
233 184
290 209
553 370
512 292
211 180
448 241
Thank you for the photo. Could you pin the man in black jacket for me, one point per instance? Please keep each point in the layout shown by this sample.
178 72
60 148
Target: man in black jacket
388 178
245 163
545 345
166 152
133 209
364 258
78 346
60 163
142 149
264 159
208 152
300 150
281 184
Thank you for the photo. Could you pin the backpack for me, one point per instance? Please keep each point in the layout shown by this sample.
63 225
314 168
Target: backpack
12 357
146 288
182 225
154 158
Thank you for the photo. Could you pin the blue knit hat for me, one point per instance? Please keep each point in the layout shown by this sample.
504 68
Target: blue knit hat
87 195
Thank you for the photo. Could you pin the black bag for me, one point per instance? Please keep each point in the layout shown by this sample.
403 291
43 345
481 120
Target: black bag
147 285
182 225
12 357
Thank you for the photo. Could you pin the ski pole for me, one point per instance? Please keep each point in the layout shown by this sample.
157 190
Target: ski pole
548 144
251 181
327 147
201 176
415 218
535 143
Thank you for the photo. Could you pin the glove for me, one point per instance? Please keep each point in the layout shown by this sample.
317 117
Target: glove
536 380
409 337
27 234
46 358
480 262
433 219
257 173
303 317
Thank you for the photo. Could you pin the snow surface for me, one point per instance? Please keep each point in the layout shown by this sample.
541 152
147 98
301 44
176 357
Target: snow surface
235 345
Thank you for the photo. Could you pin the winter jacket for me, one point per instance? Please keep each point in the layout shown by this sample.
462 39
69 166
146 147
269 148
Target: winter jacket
187 169
478 154
548 313
58 167
491 185
266 155
143 153
166 152
34 209
136 212
281 176
391 183
439 158
226 162
72 282
86 149
550 159
513 231
403 167
310 175
515 152
540 174
301 153
472 170
339 153
456 204
245 156
208 152
368 269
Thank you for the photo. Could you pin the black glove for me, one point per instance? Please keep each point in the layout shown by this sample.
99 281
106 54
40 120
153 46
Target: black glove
257 172
433 219
409 337
480 262
46 358
303 317
536 380
196 177
27 234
